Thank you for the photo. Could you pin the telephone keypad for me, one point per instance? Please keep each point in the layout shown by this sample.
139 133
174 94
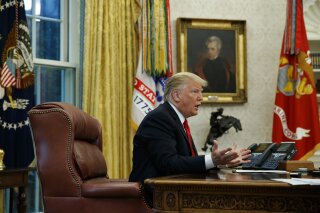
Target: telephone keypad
254 159
273 161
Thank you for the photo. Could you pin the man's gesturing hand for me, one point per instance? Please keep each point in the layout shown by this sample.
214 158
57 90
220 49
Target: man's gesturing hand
225 156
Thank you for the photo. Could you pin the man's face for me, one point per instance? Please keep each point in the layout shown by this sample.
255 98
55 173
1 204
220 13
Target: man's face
213 50
190 98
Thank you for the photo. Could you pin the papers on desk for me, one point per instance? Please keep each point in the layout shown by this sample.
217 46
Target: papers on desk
299 181
260 171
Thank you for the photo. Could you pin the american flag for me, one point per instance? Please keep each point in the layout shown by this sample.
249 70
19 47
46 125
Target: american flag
7 79
16 85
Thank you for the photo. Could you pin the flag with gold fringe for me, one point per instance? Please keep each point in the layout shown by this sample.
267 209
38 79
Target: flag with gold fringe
296 109
155 60
16 85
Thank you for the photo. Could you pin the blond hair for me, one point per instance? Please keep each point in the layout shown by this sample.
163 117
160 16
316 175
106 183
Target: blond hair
179 80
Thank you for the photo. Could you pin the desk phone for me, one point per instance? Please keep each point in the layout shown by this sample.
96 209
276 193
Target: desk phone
268 155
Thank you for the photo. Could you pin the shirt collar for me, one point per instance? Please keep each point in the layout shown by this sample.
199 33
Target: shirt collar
181 117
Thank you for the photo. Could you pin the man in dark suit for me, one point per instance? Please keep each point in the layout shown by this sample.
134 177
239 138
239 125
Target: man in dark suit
163 144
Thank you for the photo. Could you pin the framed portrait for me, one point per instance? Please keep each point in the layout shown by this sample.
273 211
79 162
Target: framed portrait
215 50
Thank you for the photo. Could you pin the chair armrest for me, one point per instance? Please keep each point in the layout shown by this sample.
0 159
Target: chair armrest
103 188
119 180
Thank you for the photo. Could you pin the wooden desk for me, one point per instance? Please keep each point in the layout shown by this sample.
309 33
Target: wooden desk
226 192
10 178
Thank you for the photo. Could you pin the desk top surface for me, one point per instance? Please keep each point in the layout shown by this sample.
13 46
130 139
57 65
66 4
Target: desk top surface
224 176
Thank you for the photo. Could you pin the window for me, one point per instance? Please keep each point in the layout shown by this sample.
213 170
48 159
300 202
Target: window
54 31
55 47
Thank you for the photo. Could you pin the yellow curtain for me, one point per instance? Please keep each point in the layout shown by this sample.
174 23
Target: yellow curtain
110 59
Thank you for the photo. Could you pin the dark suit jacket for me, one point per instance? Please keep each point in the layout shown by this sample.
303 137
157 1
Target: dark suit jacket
161 148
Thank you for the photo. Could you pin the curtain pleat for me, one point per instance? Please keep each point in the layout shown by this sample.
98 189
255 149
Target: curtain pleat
110 59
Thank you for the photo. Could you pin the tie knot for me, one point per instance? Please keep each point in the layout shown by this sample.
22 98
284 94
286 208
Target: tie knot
185 122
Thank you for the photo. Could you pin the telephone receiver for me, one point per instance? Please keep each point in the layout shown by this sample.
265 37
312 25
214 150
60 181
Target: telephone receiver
268 155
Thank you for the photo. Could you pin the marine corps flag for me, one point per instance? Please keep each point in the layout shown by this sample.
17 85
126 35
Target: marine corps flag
155 61
16 85
296 108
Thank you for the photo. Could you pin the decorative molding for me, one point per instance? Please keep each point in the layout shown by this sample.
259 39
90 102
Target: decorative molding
157 199
307 4
311 18
249 202
171 200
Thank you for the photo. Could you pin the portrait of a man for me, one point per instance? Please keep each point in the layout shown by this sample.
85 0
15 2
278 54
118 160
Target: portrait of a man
211 55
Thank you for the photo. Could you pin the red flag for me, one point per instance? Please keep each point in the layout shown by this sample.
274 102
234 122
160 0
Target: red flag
296 109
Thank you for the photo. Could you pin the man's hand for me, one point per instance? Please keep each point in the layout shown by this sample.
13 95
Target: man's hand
244 154
224 156
230 157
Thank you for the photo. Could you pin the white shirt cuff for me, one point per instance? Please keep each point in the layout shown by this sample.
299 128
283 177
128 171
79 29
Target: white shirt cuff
208 161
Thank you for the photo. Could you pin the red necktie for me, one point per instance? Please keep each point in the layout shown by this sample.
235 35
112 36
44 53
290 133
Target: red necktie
186 127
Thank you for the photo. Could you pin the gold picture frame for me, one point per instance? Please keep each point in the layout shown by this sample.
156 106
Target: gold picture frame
196 43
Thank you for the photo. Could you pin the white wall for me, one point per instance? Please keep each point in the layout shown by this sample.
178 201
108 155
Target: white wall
265 26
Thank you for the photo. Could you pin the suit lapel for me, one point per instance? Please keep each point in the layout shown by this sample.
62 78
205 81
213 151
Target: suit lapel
176 118
181 128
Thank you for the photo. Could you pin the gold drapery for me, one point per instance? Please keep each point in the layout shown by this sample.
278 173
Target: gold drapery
110 59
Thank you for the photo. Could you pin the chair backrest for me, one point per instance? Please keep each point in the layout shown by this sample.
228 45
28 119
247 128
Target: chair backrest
71 166
67 144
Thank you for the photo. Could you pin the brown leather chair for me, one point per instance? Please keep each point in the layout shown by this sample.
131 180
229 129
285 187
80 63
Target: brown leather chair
71 167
